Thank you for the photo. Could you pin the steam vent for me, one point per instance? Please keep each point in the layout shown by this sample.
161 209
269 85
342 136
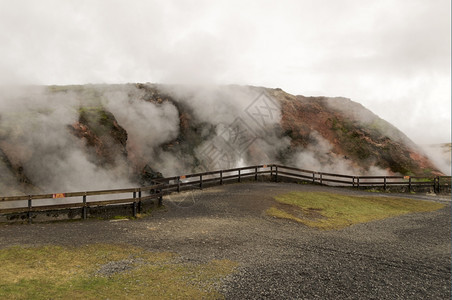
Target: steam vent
86 137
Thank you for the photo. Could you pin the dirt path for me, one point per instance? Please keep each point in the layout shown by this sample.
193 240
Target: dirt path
406 257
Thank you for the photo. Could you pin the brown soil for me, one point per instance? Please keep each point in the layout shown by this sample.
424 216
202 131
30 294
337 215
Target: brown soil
307 214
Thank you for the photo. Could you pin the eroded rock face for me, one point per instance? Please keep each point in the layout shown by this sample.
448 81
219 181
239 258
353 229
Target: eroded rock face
353 133
148 175
104 137
13 177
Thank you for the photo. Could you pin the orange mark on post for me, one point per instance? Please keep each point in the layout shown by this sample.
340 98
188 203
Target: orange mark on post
61 195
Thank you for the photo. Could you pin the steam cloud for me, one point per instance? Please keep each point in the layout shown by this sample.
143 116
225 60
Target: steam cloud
34 135
148 125
36 140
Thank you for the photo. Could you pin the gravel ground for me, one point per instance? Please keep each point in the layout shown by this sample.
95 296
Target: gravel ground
407 257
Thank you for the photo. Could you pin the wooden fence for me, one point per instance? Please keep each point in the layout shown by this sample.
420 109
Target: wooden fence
34 203
437 184
135 196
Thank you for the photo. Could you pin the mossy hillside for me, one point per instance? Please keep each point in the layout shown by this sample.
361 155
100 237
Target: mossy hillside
100 121
371 144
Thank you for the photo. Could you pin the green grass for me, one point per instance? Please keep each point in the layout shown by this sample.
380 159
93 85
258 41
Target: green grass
122 218
334 211
54 272
97 118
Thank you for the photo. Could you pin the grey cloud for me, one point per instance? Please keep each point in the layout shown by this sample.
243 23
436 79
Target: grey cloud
374 52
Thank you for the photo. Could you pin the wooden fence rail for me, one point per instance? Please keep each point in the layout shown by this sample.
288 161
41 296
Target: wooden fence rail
438 183
84 200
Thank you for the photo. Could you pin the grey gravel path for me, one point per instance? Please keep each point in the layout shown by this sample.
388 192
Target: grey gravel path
406 257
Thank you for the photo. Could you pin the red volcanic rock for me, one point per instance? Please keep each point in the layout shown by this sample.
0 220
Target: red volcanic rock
353 132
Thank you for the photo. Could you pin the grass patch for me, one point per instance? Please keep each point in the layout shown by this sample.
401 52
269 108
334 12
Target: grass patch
121 218
105 272
334 211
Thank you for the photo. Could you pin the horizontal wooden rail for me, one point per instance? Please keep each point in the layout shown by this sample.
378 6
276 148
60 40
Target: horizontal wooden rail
337 181
294 175
336 175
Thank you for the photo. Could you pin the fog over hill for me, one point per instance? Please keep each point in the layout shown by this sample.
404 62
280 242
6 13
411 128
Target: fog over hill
85 137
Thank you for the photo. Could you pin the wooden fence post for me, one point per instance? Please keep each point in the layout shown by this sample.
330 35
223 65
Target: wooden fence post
160 201
357 182
140 204
134 204
29 209
409 184
221 177
152 191
313 177
384 183
321 182
255 174
84 209
200 182
178 184
353 181
271 173
276 174
239 175
134 209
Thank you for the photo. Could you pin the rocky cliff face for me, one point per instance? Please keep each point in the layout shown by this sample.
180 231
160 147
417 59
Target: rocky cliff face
107 136
353 134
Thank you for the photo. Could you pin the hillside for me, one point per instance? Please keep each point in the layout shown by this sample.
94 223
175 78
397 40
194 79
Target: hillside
60 138
352 133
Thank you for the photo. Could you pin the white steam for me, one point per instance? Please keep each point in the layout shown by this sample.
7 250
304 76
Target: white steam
242 120
229 126
148 125
35 135
318 156
440 155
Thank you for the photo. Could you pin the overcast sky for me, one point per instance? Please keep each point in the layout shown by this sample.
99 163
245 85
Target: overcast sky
394 57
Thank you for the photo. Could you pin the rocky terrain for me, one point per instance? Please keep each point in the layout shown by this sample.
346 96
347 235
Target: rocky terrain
404 257
60 138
